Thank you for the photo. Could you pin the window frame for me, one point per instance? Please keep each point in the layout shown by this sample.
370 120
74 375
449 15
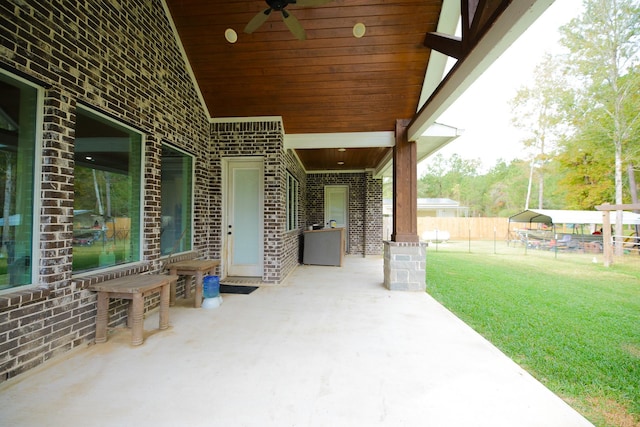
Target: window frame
141 190
190 245
36 205
292 205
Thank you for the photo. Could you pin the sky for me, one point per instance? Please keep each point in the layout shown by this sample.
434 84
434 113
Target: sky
483 111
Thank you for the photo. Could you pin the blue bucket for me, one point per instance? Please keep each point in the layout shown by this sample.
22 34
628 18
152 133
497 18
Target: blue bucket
211 286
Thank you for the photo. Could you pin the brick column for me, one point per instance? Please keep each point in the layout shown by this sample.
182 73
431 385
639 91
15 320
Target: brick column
405 266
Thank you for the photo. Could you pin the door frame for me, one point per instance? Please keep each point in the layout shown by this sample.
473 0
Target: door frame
346 205
226 167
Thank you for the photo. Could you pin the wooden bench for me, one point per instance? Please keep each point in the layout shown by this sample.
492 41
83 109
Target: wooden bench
133 288
191 268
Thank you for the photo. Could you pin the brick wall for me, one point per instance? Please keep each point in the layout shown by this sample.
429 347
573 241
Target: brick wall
365 202
293 239
119 58
373 224
263 139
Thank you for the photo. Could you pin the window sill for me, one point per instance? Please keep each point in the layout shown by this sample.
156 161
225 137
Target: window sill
22 296
84 280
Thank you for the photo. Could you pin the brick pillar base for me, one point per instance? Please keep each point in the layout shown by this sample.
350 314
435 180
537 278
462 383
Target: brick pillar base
405 266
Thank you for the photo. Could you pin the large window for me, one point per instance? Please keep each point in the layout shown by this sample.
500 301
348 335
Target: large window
18 136
177 189
107 183
292 202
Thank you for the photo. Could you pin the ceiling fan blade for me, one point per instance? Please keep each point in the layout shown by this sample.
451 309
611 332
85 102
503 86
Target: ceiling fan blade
294 25
257 20
311 3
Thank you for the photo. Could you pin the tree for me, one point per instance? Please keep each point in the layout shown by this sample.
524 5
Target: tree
431 183
505 186
454 178
603 50
497 193
586 165
536 110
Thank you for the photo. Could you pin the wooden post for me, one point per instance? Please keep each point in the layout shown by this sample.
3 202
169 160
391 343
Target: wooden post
606 208
607 250
405 187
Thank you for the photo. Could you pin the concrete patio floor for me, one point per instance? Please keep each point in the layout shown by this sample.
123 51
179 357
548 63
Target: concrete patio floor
328 347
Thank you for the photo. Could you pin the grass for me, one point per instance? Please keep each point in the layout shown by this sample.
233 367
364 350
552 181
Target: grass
572 323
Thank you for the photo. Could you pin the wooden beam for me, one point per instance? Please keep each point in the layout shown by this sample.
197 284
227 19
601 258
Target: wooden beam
405 187
506 28
445 43
477 17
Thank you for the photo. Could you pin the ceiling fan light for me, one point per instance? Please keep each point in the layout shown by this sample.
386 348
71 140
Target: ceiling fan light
342 149
341 163
231 35
358 30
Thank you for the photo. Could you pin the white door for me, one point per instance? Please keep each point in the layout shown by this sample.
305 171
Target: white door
244 218
336 208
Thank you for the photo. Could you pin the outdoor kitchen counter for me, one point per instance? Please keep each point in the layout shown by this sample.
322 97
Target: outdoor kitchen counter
324 247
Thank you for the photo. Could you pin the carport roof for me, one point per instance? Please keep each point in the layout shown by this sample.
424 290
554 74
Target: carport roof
552 216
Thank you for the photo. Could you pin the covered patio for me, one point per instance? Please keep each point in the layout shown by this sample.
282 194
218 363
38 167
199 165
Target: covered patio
328 347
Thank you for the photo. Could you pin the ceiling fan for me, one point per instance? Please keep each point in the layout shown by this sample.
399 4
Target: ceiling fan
290 21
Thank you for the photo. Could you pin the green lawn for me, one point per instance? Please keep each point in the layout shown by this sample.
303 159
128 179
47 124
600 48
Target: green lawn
572 323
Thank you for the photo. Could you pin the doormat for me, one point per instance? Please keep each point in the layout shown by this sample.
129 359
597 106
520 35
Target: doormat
236 289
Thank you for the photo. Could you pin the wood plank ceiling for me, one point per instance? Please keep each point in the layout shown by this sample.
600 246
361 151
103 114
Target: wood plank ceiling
332 82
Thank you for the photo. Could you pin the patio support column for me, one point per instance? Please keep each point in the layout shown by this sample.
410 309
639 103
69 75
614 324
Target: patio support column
405 187
404 256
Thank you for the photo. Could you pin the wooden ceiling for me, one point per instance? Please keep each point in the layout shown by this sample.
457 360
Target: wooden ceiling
332 82
316 159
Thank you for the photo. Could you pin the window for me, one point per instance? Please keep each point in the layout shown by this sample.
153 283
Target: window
292 202
18 135
177 195
107 185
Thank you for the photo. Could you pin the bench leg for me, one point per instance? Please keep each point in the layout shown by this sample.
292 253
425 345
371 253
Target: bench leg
172 296
130 314
198 299
164 306
188 280
102 317
137 319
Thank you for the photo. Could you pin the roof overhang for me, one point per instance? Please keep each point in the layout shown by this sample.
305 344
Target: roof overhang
510 25
512 18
